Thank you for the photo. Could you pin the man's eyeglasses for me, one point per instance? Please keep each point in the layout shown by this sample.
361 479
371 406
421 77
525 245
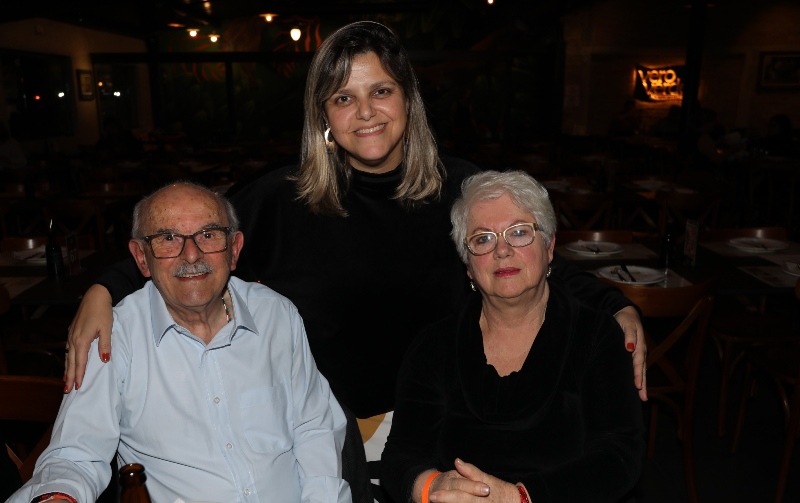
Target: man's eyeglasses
170 245
517 235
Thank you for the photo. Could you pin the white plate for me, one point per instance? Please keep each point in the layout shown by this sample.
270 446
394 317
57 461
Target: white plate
643 275
757 245
791 268
589 247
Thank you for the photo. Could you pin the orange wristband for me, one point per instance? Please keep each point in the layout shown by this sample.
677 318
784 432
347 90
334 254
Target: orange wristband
426 488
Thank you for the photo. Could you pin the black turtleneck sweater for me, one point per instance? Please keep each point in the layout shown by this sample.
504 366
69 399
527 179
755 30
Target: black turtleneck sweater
364 284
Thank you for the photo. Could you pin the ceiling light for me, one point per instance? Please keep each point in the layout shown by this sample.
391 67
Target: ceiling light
192 32
269 17
213 37
295 33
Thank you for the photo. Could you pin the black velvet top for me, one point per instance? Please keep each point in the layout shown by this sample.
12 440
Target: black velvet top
568 424
364 284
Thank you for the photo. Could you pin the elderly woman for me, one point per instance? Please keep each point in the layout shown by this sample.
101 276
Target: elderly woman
520 395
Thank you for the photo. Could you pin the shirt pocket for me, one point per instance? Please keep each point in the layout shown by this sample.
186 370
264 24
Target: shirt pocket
264 417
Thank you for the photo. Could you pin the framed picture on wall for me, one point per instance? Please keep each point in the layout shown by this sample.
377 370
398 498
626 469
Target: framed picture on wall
85 85
779 71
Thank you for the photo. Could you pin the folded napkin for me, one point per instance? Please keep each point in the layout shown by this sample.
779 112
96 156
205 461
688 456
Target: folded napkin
37 252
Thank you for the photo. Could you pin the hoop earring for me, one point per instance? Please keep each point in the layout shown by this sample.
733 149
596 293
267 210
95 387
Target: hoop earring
327 135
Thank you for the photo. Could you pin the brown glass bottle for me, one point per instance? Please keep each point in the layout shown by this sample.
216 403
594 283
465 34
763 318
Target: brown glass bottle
131 481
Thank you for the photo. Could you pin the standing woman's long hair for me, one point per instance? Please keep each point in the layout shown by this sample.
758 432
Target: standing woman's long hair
324 176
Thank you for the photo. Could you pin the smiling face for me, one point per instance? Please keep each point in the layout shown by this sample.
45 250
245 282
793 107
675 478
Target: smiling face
192 282
507 272
368 116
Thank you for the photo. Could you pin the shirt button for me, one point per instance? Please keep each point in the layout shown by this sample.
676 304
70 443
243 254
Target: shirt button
229 446
247 492
216 399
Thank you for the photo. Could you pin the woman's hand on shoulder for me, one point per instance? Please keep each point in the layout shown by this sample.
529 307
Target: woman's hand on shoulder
628 319
93 319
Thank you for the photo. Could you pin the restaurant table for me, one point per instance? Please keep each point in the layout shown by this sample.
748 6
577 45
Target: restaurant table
737 272
29 285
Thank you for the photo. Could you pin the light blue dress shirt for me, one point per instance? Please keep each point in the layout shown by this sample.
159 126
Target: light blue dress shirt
248 418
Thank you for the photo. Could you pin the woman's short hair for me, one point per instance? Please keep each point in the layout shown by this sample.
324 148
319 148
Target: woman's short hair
324 175
142 208
525 192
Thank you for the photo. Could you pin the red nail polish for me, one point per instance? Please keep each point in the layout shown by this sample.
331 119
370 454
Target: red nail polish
630 346
105 357
66 389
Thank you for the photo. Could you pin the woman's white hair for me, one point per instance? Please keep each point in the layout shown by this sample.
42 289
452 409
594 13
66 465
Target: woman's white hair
525 192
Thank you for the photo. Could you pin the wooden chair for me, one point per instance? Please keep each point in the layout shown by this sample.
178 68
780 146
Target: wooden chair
84 217
678 207
609 236
676 326
583 211
733 330
33 399
781 363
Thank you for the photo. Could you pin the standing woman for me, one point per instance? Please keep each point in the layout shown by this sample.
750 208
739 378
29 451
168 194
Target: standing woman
357 235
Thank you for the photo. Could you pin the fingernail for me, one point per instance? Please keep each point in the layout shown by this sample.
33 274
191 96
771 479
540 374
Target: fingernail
485 490
77 386
459 462
630 346
66 389
105 357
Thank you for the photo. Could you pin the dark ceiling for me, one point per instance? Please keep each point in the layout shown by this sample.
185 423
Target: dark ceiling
142 18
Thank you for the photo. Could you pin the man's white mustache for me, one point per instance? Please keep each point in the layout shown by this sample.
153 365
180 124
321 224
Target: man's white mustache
195 269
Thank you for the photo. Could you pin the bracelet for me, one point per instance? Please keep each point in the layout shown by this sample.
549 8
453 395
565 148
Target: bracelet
426 488
47 496
523 495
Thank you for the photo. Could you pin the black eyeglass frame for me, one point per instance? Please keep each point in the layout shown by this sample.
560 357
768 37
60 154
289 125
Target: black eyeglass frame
148 240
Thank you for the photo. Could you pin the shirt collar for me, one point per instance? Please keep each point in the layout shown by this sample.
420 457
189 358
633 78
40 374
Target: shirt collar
162 320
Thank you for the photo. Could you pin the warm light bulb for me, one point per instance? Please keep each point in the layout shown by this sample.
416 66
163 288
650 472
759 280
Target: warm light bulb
269 17
117 93
192 32
60 95
295 33
490 2
213 37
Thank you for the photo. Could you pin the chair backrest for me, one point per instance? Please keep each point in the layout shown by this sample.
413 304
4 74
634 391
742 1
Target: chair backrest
81 216
678 207
582 211
34 399
691 305
749 232
609 236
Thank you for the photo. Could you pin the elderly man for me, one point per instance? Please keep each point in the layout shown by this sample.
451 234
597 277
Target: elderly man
212 386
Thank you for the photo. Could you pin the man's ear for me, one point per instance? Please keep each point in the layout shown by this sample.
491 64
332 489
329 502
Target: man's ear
136 248
236 248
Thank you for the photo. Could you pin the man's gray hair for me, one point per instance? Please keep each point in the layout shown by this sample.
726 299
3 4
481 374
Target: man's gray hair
525 192
143 207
